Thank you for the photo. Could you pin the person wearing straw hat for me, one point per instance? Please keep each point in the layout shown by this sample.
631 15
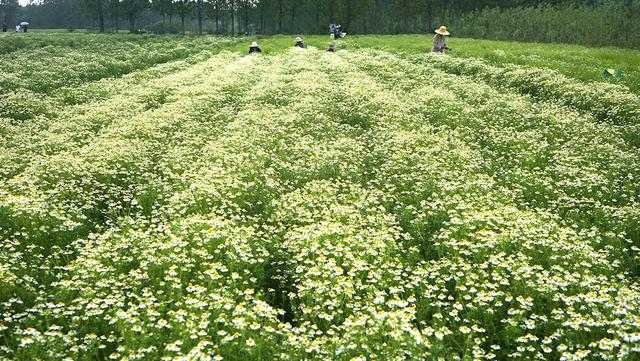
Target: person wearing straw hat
440 40
254 48
299 43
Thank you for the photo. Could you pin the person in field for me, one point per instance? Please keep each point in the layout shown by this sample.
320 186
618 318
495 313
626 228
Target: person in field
332 31
332 48
18 28
255 48
335 31
299 43
4 28
440 40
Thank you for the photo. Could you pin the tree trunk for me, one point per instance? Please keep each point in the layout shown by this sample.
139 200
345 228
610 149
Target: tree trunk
100 15
199 17
182 16
429 17
349 14
293 16
332 11
217 18
223 23
280 16
262 17
116 16
233 17
246 16
132 21
317 17
406 23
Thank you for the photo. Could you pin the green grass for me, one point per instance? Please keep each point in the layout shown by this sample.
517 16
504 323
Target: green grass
576 61
579 62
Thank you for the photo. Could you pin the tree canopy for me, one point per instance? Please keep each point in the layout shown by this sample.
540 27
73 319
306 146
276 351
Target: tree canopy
265 16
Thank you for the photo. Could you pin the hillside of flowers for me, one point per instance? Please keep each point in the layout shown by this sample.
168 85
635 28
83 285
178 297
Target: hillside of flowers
305 205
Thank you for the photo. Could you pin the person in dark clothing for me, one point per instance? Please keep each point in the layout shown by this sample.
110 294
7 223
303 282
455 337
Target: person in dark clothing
4 28
299 43
254 48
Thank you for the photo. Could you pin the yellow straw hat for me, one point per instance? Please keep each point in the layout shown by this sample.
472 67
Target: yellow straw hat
442 30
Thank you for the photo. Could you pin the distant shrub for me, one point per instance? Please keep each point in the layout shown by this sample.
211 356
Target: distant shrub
608 24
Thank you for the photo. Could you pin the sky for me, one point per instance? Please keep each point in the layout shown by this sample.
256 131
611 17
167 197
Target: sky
23 2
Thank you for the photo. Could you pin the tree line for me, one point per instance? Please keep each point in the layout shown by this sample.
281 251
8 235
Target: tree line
309 16
9 10
608 24
526 20
271 16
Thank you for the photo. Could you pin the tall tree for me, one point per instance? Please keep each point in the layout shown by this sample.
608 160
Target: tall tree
113 8
293 5
68 14
232 4
406 10
164 8
133 8
8 10
96 10
356 10
182 9
213 10
247 6
300 16
199 7
281 7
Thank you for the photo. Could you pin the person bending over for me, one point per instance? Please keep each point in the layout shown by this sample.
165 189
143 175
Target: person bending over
254 48
440 40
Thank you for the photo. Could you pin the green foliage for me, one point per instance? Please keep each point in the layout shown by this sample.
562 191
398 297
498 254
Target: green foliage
9 12
609 24
305 205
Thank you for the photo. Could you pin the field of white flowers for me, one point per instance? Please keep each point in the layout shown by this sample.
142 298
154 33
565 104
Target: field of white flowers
164 202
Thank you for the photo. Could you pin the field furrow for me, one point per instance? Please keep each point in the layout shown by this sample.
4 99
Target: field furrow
606 102
542 153
73 126
47 69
